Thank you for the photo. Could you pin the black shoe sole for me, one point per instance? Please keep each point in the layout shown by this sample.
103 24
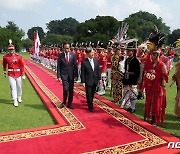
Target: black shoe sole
61 105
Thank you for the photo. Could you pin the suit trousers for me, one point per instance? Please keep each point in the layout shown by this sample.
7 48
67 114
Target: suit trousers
68 86
90 91
15 85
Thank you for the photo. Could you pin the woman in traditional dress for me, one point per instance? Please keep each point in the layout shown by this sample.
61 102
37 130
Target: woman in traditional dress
176 77
116 74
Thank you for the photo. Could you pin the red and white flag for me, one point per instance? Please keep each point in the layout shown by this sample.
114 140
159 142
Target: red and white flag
37 43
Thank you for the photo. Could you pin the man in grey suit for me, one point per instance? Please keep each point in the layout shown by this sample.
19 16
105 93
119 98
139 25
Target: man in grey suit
90 76
67 71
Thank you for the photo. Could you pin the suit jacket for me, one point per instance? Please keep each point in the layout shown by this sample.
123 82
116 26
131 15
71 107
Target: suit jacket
134 69
65 70
88 76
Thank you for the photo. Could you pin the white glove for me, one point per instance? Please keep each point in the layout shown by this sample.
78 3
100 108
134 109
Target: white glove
5 73
23 77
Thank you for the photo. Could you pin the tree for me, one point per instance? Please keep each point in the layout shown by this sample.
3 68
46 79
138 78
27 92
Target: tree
27 43
31 31
102 28
5 35
13 32
67 26
174 36
141 24
13 27
56 39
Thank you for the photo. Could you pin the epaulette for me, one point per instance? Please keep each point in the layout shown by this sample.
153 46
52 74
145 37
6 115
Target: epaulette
5 54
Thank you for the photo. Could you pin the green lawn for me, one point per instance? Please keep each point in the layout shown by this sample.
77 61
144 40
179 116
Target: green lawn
31 113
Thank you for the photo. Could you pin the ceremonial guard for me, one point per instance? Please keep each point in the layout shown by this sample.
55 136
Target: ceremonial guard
31 52
103 68
55 56
165 60
109 65
170 55
15 65
79 58
141 56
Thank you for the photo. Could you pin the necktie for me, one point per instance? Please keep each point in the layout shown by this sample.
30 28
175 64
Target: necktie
67 58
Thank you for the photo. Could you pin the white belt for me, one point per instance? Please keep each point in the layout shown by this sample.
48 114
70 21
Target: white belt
108 63
14 70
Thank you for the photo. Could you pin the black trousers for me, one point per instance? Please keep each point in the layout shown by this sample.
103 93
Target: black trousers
68 87
90 91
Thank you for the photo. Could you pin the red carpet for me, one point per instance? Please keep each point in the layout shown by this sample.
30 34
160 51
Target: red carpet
108 130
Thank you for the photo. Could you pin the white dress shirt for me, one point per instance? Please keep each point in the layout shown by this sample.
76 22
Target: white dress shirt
92 63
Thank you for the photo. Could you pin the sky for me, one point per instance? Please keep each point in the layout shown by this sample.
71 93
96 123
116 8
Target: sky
31 13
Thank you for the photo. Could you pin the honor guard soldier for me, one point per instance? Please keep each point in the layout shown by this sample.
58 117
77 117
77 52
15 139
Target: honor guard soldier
103 68
170 55
16 73
79 57
141 56
109 65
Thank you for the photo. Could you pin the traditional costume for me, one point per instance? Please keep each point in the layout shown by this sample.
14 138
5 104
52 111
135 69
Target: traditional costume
116 75
131 76
155 77
176 77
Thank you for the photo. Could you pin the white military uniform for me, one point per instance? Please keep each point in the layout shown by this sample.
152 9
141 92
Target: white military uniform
15 72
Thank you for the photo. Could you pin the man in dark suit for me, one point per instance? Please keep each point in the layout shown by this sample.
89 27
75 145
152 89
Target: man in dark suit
90 76
67 71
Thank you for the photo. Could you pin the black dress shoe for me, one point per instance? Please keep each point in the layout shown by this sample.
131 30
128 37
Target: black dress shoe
131 110
70 106
91 110
61 105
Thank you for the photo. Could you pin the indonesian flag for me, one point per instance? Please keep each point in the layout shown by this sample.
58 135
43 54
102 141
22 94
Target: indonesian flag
37 43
